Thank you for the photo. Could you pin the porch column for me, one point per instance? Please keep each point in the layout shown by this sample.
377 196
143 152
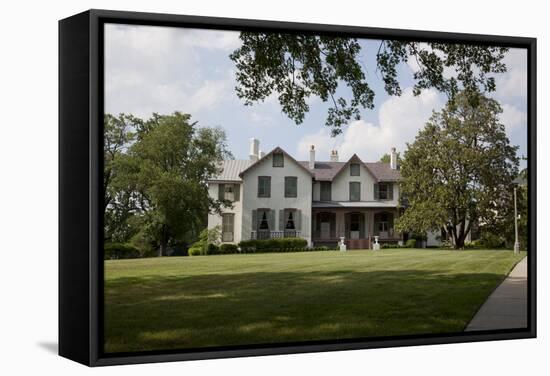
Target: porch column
340 223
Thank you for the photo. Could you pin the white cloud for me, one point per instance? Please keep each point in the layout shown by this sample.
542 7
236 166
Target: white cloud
513 119
513 83
399 120
160 69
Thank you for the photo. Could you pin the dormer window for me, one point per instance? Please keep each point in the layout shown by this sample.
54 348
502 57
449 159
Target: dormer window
278 160
354 169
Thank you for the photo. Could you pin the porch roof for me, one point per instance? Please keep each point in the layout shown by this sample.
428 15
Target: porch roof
352 204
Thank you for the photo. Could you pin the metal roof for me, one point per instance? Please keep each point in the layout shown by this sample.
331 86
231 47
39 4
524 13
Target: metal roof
352 204
231 169
325 171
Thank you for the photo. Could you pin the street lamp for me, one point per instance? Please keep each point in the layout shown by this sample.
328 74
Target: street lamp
518 181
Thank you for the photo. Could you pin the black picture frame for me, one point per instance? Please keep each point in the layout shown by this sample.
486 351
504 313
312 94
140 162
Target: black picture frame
80 196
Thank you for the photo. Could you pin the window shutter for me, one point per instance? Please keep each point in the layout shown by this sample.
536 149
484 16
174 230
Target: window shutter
268 188
298 219
281 220
254 220
271 219
237 192
376 195
221 191
390 191
348 224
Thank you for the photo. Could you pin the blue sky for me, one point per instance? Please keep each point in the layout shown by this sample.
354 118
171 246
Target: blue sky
162 69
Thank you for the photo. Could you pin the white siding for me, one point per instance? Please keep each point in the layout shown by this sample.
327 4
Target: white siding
277 201
216 219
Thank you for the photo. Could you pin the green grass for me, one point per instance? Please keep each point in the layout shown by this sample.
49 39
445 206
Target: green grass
190 302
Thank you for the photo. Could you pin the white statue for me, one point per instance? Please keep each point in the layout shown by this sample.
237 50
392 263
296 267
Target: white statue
342 244
376 245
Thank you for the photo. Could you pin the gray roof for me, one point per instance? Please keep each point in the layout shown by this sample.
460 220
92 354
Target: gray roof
328 170
231 169
322 171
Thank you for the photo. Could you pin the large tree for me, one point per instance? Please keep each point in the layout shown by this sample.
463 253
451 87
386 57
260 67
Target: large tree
166 170
459 169
296 66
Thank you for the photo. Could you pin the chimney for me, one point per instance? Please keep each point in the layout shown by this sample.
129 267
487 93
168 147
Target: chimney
254 149
393 159
334 156
312 157
262 154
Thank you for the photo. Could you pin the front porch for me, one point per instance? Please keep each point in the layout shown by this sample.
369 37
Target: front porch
358 225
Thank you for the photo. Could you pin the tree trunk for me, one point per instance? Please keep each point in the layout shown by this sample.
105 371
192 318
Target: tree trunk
163 242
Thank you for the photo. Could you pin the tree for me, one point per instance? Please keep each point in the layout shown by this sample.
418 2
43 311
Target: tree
459 169
167 170
117 137
386 158
297 66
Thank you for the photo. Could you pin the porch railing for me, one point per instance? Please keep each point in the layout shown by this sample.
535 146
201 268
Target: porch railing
266 234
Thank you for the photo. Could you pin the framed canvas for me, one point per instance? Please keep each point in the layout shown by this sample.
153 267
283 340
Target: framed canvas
233 187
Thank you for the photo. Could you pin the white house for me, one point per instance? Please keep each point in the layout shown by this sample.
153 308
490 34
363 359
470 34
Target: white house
276 196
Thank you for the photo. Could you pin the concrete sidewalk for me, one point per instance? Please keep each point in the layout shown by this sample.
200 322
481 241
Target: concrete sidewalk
506 307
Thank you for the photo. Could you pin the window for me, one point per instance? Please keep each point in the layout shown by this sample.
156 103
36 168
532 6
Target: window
228 225
384 191
383 224
229 192
326 191
291 186
290 225
278 160
354 191
264 186
354 169
263 223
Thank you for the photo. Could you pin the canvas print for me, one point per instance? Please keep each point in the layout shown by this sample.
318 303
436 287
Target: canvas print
266 188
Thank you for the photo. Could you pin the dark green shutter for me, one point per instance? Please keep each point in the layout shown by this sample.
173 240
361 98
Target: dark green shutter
298 219
281 220
332 218
237 191
221 192
271 219
254 220
390 191
376 194
268 188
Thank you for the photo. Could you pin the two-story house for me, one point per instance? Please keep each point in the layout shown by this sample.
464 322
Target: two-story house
276 196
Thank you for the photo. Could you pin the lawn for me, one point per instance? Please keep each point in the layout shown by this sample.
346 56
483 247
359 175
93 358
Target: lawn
190 302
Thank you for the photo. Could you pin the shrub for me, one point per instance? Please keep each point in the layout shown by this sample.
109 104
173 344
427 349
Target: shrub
227 249
212 249
271 245
115 251
195 251
492 241
411 243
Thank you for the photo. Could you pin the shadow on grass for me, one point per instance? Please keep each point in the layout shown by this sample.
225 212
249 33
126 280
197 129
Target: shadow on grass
269 307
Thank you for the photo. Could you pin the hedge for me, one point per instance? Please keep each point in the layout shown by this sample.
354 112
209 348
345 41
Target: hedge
226 249
270 245
114 251
411 243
